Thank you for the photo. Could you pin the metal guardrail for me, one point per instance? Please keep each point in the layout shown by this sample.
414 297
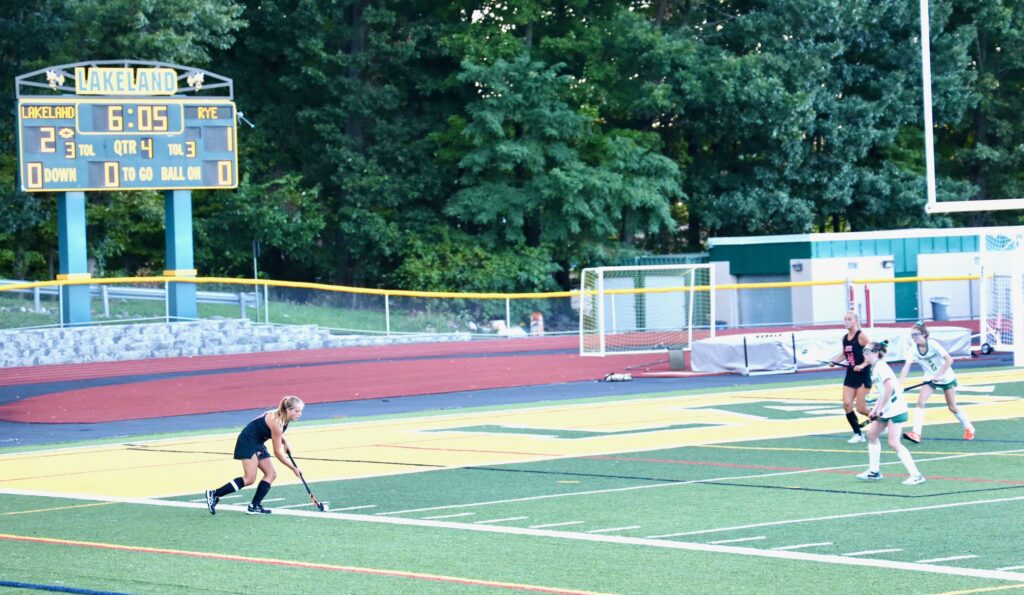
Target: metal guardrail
244 299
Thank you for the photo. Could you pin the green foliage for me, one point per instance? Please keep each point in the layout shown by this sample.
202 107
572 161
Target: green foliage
538 133
284 215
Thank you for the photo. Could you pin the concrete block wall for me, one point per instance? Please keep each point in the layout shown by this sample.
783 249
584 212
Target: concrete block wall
99 343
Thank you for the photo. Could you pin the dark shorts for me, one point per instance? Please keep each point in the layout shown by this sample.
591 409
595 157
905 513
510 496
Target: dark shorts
244 449
857 379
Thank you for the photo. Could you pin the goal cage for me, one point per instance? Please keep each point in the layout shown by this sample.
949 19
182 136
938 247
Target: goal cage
1002 292
645 309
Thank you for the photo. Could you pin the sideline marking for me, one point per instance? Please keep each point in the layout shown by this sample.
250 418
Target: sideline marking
293 564
589 537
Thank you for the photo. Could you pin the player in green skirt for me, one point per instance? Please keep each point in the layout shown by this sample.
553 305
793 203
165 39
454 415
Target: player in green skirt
938 373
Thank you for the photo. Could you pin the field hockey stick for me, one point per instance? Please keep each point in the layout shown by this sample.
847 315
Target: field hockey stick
321 506
834 363
918 385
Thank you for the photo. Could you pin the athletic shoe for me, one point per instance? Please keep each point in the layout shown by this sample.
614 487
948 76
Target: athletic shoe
912 436
211 501
257 509
870 476
969 434
856 439
913 480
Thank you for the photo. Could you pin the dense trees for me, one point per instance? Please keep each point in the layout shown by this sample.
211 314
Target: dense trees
502 145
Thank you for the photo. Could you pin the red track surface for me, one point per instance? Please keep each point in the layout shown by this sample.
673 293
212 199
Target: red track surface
318 376
451 367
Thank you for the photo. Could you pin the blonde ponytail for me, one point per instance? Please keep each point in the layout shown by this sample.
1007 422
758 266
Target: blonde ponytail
288 403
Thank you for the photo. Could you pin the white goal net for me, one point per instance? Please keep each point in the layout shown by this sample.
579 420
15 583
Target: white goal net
645 309
1002 292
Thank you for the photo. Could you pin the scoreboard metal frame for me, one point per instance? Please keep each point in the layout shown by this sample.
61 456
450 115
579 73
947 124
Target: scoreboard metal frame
185 138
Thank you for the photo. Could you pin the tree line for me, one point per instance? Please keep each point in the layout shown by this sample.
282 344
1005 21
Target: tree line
504 145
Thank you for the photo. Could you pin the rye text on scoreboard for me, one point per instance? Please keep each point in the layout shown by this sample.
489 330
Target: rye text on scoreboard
70 143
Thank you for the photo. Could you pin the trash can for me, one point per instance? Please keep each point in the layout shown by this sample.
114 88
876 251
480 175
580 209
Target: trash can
940 308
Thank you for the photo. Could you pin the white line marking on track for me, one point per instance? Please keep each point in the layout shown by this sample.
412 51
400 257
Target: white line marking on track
1021 567
613 529
872 552
363 507
759 537
504 520
589 537
948 559
448 516
802 546
565 524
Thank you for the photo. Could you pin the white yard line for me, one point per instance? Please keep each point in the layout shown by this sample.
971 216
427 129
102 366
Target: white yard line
1021 567
504 520
948 559
363 507
565 524
802 546
448 516
873 552
741 539
613 529
874 563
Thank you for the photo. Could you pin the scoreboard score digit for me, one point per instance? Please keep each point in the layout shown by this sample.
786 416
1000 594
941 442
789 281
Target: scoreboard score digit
72 144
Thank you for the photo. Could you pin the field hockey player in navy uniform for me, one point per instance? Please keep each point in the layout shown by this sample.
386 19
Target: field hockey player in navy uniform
938 374
250 448
857 383
889 411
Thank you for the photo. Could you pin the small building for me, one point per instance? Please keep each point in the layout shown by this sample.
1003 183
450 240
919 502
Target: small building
856 256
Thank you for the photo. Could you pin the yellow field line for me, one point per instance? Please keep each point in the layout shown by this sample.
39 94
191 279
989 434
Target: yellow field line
56 508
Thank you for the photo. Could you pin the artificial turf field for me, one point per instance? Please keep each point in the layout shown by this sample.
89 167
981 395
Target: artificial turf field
728 490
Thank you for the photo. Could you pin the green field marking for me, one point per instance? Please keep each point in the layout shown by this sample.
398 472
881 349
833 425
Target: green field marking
560 433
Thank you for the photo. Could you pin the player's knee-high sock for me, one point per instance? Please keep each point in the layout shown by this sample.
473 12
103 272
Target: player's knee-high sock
908 461
261 491
966 423
854 423
874 456
918 420
232 486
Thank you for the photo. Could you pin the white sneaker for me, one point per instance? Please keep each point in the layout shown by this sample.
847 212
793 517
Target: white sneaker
856 439
913 480
873 476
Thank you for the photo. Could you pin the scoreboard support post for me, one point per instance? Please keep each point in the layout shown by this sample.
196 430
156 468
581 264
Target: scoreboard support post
181 297
75 306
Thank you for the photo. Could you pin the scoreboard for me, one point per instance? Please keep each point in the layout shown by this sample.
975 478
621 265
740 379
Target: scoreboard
88 144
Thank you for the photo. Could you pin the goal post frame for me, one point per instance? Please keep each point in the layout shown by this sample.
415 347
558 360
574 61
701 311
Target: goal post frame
594 304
